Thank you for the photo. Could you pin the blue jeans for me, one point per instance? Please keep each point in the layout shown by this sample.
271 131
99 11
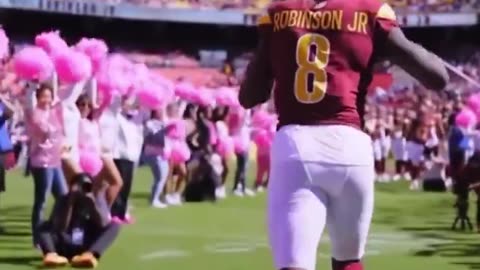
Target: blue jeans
45 180
159 167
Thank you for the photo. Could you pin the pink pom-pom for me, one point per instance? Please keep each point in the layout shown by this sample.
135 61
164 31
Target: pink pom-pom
473 102
149 98
51 42
90 163
466 118
115 75
177 130
204 97
240 145
185 91
33 63
226 96
72 66
180 153
225 147
95 49
263 120
262 139
4 42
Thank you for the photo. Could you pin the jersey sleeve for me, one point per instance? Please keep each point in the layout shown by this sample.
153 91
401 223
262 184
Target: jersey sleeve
385 20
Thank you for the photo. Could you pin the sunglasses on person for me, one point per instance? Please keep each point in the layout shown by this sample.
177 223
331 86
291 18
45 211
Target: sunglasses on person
84 104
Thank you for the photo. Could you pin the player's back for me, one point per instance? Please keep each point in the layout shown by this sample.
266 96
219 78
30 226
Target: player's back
322 56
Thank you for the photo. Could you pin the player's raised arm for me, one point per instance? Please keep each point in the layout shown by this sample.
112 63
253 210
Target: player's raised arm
257 85
425 66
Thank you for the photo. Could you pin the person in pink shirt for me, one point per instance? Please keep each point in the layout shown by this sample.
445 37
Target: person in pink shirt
45 130
108 182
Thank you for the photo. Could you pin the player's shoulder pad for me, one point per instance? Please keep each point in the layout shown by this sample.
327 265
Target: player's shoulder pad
386 12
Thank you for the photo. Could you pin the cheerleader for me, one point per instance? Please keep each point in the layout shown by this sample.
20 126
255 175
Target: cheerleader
416 152
378 138
224 147
179 154
240 131
399 151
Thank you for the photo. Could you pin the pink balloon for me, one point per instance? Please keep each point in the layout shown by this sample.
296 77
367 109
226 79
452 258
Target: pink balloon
72 66
465 118
32 63
180 153
51 42
90 163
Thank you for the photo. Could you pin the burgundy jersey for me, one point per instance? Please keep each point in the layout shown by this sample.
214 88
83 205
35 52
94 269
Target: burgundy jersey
322 57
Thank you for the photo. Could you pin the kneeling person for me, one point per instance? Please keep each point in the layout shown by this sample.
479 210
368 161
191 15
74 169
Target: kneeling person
79 229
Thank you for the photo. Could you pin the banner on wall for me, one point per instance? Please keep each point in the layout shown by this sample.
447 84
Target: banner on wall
78 7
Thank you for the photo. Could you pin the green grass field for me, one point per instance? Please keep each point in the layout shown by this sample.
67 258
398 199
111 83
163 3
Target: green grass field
410 231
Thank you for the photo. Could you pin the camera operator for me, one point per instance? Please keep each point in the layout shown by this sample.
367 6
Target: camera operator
79 230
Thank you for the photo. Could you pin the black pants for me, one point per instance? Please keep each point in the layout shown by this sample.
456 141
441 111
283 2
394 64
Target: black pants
96 242
241 172
2 172
119 207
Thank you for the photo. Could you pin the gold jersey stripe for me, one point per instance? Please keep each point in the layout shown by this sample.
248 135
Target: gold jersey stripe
264 19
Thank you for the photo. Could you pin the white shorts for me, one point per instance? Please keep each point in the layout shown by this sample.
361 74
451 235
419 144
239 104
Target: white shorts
304 196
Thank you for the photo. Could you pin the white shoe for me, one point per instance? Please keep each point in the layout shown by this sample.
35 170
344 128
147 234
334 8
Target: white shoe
177 198
260 189
220 192
396 178
249 192
415 185
170 199
407 176
238 193
159 205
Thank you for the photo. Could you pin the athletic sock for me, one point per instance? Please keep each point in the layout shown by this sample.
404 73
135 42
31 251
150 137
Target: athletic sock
347 265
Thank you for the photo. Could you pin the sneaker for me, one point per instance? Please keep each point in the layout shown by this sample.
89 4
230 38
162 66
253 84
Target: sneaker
117 220
177 199
171 199
86 260
159 205
396 178
249 192
238 193
52 260
221 192
415 185
128 219
260 189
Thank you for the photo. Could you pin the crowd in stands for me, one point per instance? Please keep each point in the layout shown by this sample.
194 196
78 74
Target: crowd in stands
255 5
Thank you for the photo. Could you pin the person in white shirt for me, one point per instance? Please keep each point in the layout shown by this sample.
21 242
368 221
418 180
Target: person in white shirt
126 153
155 155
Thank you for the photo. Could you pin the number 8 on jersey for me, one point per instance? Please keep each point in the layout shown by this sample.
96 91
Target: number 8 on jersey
313 51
